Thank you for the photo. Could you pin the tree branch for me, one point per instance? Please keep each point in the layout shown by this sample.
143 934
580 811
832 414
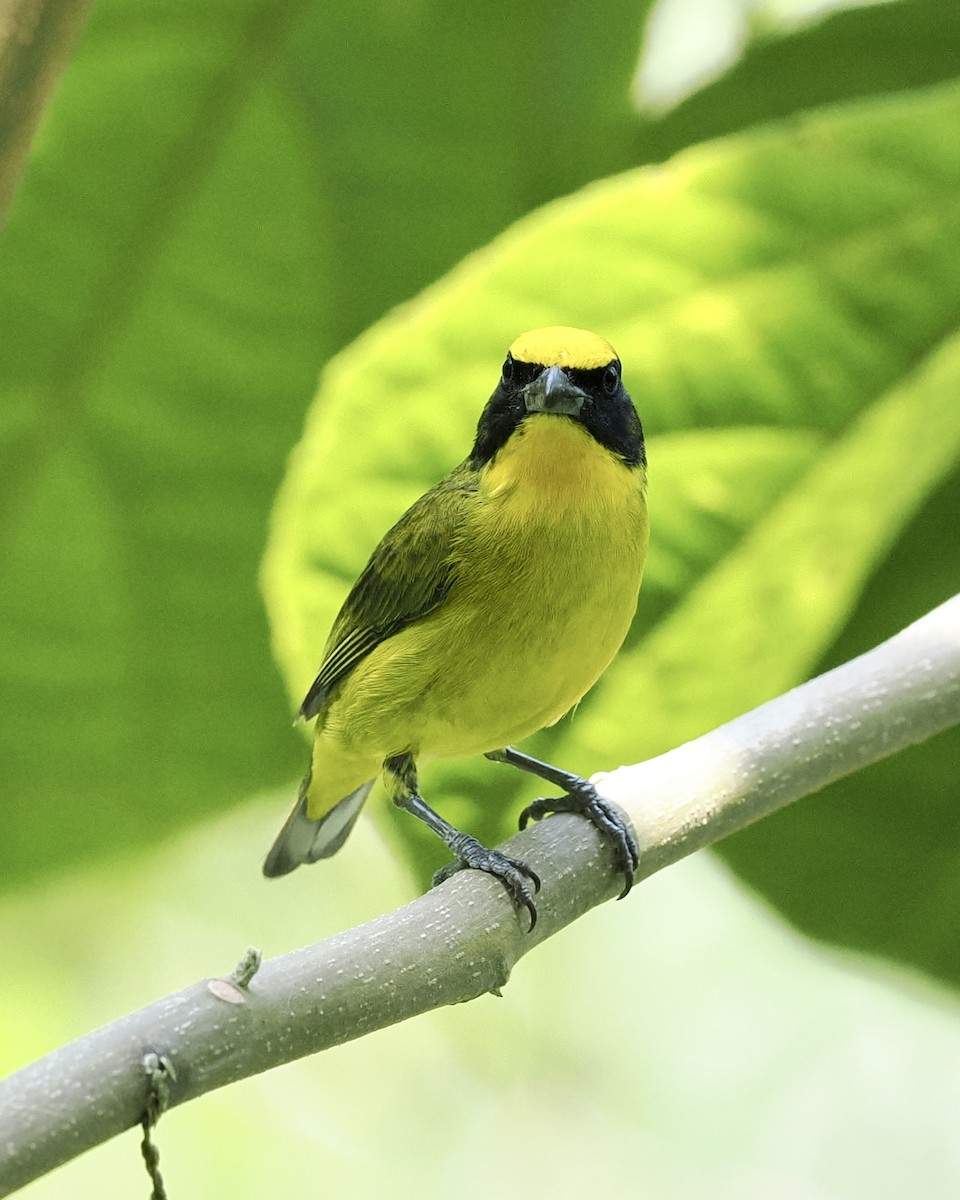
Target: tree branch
36 37
463 938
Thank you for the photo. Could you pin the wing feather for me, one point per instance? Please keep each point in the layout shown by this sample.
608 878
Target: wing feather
408 576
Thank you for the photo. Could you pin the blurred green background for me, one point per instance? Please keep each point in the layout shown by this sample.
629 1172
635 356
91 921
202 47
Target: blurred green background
221 200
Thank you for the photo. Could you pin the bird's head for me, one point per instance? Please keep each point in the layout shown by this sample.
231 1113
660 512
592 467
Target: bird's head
566 373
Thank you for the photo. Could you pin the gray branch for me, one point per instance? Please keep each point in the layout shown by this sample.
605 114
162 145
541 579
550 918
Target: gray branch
462 939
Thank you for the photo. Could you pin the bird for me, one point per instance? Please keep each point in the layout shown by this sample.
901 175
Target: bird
487 612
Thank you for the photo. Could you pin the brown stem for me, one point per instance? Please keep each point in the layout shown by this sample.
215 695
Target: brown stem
36 38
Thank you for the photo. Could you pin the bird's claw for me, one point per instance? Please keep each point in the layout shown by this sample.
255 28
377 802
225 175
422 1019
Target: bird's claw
541 808
513 873
612 824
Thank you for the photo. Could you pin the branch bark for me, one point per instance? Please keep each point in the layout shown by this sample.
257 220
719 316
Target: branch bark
36 37
463 938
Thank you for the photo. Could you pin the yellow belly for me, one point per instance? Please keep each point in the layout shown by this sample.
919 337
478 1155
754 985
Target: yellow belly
549 567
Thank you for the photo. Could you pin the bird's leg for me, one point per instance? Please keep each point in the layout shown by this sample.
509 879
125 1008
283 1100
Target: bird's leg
401 777
580 797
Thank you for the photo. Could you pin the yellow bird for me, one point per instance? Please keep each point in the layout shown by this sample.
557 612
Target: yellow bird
487 611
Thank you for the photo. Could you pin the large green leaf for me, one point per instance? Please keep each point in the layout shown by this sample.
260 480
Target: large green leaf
220 197
785 304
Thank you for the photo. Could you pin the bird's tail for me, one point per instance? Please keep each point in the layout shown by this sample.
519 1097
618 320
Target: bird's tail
302 840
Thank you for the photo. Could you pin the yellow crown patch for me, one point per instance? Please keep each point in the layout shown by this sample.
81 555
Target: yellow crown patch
563 346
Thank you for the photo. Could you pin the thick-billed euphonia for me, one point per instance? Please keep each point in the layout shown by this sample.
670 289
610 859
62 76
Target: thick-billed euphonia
488 610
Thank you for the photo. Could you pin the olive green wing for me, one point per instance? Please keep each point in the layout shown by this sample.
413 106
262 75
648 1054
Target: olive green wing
409 574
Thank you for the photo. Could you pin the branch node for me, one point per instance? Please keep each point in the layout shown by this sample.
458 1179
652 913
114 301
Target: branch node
246 968
233 988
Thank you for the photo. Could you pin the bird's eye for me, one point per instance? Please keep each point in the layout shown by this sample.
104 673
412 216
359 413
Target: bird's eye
508 368
611 378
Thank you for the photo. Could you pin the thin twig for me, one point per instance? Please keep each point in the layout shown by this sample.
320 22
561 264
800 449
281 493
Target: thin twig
160 1075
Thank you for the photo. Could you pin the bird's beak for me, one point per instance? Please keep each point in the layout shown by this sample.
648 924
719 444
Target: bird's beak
553 392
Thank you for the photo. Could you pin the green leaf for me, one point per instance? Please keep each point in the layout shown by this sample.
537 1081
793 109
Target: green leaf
895 820
218 199
858 52
785 304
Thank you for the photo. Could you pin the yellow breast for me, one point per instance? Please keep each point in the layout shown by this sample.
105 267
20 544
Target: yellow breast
548 588
552 467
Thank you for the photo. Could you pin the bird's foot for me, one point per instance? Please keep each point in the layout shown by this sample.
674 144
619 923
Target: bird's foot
513 873
614 827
